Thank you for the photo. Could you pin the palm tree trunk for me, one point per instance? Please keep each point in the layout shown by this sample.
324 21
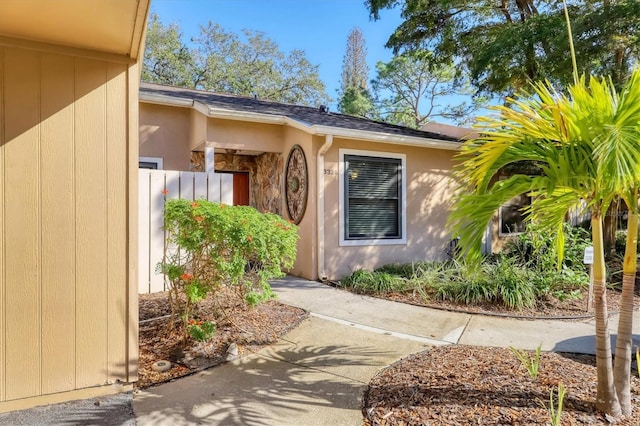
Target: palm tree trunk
606 398
624 340
610 227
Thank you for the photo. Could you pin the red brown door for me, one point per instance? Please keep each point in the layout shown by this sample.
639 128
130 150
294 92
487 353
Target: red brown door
241 189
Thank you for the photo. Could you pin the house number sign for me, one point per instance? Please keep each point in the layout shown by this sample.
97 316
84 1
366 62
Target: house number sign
296 180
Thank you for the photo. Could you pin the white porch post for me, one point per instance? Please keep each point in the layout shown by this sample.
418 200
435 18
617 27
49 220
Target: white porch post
209 162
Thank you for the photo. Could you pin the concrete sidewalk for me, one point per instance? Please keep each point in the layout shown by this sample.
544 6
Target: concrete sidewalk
316 374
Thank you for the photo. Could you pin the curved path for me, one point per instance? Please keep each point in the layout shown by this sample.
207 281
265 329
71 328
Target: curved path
317 373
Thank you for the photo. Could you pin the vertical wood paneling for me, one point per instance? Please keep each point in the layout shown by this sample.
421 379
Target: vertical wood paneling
214 186
65 284
200 183
186 185
144 266
226 188
156 232
2 263
117 221
172 185
58 224
91 223
133 132
151 213
22 224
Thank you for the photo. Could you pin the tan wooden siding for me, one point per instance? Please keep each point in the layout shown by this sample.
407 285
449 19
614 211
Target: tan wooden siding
22 234
2 260
117 221
58 225
65 314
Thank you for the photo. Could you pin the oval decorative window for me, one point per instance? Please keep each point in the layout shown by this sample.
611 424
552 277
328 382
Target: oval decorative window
296 181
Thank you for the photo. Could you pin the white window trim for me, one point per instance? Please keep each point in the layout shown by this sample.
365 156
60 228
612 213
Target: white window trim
403 208
157 160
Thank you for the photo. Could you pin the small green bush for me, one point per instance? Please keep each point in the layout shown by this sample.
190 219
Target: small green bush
201 331
407 270
535 248
223 245
374 282
514 288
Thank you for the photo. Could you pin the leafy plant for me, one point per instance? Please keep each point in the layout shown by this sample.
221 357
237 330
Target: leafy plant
222 245
555 408
532 364
374 282
201 331
513 284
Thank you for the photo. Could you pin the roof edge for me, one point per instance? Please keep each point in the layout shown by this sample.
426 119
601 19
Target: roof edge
255 117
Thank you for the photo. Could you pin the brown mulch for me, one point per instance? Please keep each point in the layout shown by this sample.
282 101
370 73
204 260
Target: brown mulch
250 328
464 385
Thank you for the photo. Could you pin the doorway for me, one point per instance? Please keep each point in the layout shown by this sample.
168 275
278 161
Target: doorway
240 189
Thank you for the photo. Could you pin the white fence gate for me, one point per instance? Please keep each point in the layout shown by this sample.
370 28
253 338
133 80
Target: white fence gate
153 188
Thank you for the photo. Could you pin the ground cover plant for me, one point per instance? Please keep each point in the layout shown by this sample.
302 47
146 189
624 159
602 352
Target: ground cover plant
525 276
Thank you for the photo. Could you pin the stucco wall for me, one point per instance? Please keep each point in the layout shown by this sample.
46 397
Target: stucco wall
428 188
241 135
69 317
165 133
305 265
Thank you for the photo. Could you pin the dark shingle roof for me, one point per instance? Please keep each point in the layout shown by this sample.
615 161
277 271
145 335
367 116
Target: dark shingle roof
308 115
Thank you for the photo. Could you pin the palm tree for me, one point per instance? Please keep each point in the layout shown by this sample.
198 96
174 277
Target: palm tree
585 145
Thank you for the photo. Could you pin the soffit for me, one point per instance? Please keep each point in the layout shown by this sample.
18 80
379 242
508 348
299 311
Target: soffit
110 26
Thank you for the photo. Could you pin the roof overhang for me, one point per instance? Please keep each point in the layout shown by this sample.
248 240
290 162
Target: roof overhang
312 129
107 26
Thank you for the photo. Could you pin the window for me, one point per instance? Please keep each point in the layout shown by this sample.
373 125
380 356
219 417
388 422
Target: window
372 194
154 163
512 220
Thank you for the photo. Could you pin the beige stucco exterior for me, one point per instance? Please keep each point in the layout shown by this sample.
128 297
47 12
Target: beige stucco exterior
428 193
320 252
68 188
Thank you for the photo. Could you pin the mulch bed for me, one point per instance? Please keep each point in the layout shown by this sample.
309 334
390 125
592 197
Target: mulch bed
463 385
250 328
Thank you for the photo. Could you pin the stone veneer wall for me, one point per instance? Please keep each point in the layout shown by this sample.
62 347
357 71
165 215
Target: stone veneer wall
265 176
269 178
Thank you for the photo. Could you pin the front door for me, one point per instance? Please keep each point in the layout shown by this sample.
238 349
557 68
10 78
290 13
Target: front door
240 189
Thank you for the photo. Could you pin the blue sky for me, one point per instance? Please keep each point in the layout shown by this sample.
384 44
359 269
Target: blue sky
319 27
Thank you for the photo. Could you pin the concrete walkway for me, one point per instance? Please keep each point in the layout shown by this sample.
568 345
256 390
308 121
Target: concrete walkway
316 374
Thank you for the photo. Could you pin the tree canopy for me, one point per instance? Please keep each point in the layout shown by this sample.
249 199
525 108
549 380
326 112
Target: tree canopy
355 97
410 88
505 44
222 61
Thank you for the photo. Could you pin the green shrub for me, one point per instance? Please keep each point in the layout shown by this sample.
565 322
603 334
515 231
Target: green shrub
466 285
374 282
514 285
201 331
536 248
223 245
